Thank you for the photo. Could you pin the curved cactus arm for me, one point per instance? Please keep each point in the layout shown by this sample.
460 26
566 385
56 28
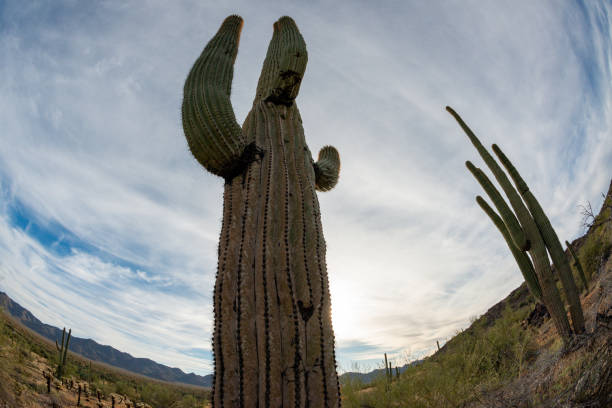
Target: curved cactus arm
521 257
213 135
551 240
518 236
327 168
578 266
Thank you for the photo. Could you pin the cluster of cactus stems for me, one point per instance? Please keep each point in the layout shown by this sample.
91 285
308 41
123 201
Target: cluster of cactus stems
578 266
527 229
63 352
273 342
389 372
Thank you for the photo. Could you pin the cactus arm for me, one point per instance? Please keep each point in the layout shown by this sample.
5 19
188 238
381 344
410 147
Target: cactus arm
518 236
511 223
521 257
292 64
58 347
213 135
550 239
327 169
578 265
284 66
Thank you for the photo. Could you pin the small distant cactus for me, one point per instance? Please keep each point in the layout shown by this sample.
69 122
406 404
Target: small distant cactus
528 229
388 370
388 373
273 341
63 352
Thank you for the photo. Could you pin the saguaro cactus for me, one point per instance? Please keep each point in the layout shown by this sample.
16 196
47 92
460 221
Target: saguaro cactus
63 352
273 341
527 229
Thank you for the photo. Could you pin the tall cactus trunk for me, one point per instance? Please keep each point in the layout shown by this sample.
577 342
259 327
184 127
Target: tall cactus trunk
273 341
272 294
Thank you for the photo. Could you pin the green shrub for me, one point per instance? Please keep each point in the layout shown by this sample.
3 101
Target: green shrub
592 253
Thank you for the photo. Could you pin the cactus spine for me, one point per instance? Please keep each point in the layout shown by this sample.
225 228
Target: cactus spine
273 341
578 266
528 236
63 352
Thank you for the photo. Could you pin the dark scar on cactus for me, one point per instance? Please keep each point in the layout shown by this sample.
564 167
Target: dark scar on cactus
282 95
305 311
251 153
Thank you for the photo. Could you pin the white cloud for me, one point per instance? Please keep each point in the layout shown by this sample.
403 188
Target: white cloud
92 141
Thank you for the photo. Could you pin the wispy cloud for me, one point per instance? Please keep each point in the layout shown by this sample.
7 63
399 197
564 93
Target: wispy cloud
109 226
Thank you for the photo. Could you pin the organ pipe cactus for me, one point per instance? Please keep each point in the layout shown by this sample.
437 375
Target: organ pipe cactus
549 294
557 254
273 341
63 352
533 234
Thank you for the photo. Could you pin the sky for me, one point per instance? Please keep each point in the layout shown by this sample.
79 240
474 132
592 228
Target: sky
110 227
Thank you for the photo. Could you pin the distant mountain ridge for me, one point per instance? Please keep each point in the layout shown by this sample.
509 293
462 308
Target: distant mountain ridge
92 350
368 378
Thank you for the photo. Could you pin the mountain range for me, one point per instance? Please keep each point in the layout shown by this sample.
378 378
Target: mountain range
92 350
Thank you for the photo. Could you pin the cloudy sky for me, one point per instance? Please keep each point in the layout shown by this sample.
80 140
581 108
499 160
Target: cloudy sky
109 226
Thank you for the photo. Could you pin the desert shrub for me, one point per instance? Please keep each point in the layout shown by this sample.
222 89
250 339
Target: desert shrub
592 253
